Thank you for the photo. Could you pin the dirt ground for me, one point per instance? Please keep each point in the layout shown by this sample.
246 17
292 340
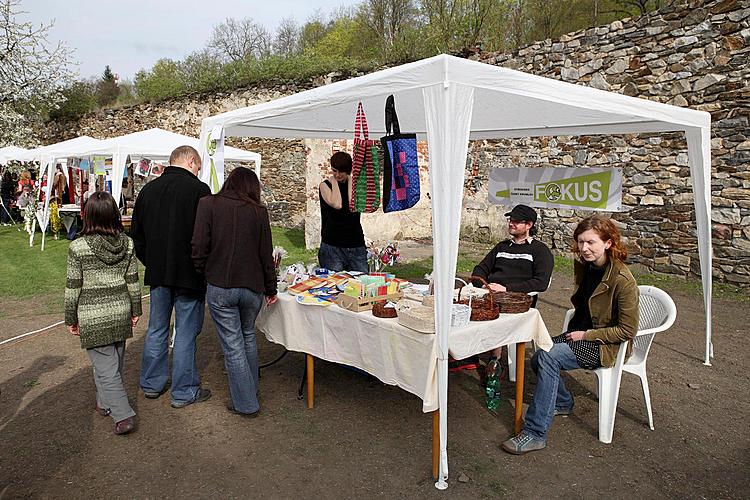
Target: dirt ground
365 439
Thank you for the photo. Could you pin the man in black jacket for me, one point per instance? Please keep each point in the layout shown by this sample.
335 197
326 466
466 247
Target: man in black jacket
518 264
162 227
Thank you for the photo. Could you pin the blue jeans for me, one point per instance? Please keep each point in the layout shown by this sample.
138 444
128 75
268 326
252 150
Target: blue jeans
189 312
550 390
342 259
234 311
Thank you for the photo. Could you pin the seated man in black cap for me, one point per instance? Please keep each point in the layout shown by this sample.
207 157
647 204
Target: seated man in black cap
518 264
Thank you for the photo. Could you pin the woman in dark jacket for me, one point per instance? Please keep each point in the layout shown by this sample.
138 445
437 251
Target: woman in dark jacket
606 314
232 249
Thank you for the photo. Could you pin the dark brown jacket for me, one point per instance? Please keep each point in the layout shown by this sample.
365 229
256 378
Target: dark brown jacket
614 310
232 244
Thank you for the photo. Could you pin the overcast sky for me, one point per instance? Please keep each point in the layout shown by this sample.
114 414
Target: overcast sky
133 34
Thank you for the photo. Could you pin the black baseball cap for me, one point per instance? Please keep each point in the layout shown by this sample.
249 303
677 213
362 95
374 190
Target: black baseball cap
522 212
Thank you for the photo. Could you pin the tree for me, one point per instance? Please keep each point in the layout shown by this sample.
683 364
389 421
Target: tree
312 31
388 22
33 73
286 41
235 40
80 98
162 81
107 89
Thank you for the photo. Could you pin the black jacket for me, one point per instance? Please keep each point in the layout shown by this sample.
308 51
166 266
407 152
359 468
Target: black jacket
162 227
232 244
525 267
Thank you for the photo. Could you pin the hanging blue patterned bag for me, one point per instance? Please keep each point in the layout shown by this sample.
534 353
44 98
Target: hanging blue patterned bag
400 169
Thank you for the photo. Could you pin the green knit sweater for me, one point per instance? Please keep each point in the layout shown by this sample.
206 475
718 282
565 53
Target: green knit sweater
102 292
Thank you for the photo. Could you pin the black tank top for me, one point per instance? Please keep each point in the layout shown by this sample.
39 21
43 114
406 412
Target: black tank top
340 228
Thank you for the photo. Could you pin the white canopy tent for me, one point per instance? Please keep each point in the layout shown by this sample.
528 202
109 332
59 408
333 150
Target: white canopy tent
11 153
155 143
447 101
47 157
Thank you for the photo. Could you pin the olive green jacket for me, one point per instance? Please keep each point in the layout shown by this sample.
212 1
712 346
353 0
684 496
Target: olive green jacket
614 309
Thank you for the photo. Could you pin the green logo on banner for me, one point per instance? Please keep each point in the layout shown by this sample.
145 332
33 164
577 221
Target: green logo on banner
589 191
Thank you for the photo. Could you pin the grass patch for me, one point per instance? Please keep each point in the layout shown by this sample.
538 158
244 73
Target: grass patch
293 241
27 271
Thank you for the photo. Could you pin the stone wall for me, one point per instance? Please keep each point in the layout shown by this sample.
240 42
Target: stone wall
691 54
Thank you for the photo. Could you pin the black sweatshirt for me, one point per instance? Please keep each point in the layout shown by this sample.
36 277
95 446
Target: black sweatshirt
519 267
162 229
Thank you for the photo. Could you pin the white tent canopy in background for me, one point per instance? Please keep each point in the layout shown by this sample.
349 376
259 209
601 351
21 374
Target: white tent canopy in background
447 101
11 153
155 143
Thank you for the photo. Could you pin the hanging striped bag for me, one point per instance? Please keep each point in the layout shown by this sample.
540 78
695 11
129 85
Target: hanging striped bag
365 195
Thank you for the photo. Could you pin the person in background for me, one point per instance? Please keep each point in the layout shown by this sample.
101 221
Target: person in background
232 248
162 229
24 180
6 194
519 264
25 198
103 303
342 241
606 314
58 183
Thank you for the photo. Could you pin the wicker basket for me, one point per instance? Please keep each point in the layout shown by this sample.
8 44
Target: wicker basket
380 311
512 302
482 309
416 316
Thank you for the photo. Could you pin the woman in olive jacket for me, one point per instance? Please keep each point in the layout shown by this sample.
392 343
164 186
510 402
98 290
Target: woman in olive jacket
606 314
232 249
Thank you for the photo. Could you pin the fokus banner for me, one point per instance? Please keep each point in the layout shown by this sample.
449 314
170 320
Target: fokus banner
548 187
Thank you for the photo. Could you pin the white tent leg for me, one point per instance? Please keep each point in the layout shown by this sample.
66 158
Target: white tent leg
448 110
699 155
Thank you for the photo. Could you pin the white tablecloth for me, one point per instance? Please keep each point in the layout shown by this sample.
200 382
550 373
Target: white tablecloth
393 353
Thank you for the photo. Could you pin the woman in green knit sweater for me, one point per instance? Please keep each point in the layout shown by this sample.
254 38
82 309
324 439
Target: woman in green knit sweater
103 302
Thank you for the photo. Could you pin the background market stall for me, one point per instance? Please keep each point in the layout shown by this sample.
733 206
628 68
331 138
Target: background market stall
448 101
154 143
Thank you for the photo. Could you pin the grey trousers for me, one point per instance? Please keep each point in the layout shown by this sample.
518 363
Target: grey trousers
110 392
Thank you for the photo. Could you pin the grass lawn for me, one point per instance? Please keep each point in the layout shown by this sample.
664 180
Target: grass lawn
28 272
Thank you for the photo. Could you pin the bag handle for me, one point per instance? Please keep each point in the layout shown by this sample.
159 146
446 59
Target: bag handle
463 284
360 123
391 118
487 286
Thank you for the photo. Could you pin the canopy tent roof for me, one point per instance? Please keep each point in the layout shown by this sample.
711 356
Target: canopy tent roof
11 153
447 101
159 143
64 149
507 103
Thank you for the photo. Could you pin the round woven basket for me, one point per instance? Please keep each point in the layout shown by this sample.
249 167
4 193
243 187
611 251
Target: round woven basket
512 302
483 308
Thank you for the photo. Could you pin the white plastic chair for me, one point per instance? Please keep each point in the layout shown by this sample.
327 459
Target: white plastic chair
657 313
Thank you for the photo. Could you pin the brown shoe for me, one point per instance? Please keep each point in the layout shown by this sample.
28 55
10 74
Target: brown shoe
125 426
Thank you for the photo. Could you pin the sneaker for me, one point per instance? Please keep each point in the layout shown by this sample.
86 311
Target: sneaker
563 412
125 426
523 443
202 395
154 395
254 414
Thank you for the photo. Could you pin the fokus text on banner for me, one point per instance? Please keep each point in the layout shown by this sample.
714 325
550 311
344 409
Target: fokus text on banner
549 187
